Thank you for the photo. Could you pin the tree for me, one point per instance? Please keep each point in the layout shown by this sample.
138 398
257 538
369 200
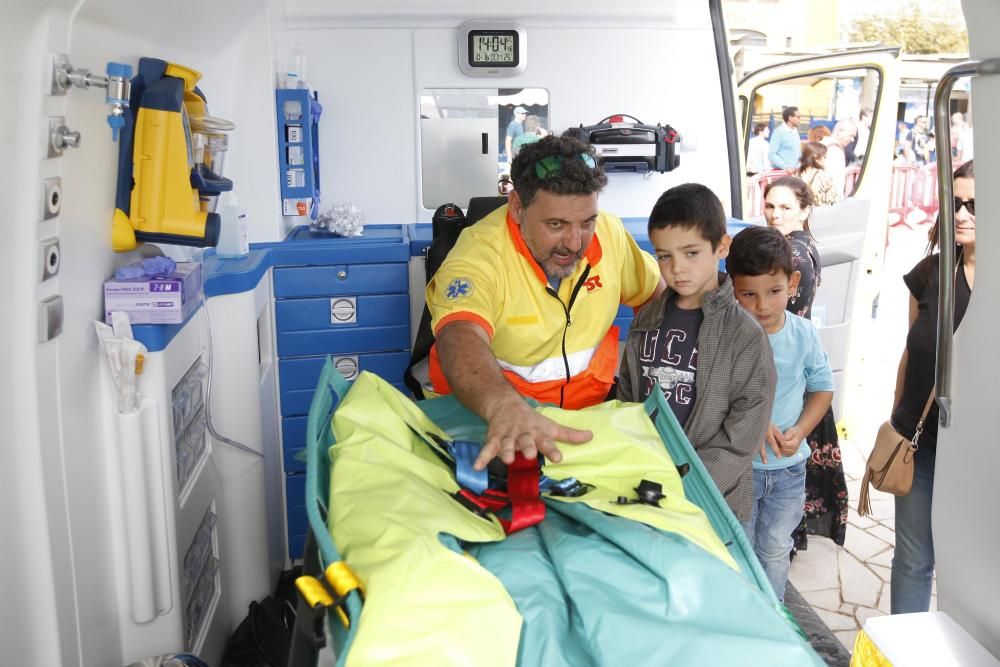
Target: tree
914 30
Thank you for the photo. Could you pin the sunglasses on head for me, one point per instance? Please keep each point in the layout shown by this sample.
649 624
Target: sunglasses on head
553 163
969 204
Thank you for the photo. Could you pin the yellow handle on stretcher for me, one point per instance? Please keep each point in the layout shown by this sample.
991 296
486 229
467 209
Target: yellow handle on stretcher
332 590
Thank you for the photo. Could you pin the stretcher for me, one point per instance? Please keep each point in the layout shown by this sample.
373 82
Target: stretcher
400 570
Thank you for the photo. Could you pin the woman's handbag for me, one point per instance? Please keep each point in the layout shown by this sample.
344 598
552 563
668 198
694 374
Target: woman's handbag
890 465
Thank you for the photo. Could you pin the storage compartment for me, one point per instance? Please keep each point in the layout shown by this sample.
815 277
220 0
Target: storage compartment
343 279
199 579
298 377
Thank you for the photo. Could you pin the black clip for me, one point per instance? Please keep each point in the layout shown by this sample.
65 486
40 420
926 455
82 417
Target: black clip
649 493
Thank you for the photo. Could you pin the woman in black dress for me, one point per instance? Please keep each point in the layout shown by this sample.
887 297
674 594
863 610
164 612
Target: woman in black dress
788 203
913 554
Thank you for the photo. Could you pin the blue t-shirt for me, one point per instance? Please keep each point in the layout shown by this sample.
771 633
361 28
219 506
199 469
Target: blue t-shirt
786 147
514 129
802 366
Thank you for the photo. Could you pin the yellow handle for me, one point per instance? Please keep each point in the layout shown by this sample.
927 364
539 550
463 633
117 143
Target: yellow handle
340 581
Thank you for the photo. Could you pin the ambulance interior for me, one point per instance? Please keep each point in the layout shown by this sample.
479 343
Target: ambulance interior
110 558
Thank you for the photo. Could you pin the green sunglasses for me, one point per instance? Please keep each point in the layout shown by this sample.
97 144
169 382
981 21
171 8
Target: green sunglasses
553 163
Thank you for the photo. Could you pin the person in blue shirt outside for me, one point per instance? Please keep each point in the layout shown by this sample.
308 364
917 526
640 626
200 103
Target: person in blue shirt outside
515 128
786 145
764 277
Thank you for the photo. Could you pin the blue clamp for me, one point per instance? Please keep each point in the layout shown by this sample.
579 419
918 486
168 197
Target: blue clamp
119 82
466 452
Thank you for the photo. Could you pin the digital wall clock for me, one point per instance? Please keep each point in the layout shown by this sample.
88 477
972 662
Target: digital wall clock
492 48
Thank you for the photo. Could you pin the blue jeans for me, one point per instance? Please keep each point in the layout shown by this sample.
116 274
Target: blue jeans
779 498
913 557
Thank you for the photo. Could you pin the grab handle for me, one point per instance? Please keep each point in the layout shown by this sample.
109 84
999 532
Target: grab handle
946 228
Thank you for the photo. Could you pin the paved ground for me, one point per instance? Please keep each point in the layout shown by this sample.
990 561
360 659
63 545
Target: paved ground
847 585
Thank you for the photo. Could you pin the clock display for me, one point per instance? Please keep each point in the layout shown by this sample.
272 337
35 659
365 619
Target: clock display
492 48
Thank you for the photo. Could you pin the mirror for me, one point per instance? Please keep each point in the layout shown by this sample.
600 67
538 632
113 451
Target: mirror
468 136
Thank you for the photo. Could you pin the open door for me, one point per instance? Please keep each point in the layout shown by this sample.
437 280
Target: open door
851 232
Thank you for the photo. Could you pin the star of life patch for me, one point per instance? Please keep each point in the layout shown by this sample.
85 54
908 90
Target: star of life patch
459 288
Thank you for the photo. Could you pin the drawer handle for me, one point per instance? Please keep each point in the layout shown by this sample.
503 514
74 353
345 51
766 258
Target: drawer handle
342 275
344 310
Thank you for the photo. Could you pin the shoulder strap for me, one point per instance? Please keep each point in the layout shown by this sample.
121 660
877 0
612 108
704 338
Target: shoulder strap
923 416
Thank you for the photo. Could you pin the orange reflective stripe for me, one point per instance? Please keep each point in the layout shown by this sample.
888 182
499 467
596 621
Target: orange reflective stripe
465 316
587 388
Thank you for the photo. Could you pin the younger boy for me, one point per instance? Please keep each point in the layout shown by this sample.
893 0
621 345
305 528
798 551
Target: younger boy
696 345
760 264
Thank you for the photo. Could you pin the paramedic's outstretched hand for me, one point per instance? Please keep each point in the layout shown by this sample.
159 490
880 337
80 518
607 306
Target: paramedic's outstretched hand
515 427
478 383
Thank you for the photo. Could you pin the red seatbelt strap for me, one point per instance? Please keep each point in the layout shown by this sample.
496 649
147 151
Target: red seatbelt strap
526 505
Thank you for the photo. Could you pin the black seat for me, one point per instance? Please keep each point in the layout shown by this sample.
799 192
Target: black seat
448 223
480 207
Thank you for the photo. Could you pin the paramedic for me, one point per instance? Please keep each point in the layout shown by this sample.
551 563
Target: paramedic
524 304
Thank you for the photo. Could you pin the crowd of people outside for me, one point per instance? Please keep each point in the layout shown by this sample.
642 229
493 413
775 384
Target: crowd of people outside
823 157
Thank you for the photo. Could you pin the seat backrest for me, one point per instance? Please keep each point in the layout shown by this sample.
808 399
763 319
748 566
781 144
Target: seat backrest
480 207
446 232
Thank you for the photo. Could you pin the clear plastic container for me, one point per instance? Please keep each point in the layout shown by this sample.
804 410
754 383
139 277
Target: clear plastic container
234 242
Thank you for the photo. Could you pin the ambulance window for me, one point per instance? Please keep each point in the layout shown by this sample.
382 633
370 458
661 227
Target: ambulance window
464 147
835 113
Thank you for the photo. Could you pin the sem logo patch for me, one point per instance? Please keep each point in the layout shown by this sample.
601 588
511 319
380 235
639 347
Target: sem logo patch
593 283
459 288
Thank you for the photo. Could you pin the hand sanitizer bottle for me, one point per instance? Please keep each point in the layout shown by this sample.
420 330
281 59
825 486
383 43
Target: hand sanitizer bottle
233 240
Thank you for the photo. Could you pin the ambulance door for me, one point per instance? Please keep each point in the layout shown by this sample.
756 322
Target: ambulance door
850 233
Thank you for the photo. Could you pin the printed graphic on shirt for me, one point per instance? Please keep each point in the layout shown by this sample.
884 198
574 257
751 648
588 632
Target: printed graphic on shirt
593 283
459 288
668 359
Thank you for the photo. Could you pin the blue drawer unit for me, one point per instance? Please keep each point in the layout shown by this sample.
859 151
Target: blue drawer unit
295 502
298 377
293 441
343 297
341 280
343 324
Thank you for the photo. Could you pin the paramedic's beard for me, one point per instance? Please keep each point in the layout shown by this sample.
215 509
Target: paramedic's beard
560 263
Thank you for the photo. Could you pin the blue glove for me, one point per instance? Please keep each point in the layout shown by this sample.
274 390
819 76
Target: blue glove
147 268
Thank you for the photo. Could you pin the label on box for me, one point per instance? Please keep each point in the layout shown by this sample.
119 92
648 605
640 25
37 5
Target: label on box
295 178
294 134
157 300
295 206
296 156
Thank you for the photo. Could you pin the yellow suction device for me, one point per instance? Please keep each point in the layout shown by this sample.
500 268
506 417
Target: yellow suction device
162 178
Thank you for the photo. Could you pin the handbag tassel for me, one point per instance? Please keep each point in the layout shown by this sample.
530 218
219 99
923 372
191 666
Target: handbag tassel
864 504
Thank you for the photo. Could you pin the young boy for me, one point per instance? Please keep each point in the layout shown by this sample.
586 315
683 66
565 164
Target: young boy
696 345
760 265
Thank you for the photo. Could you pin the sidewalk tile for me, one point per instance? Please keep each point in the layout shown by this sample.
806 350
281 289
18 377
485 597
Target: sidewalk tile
836 621
847 638
884 534
864 613
856 519
828 599
883 558
858 584
863 545
884 573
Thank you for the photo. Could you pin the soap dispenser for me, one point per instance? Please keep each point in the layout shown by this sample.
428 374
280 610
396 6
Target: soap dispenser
233 239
